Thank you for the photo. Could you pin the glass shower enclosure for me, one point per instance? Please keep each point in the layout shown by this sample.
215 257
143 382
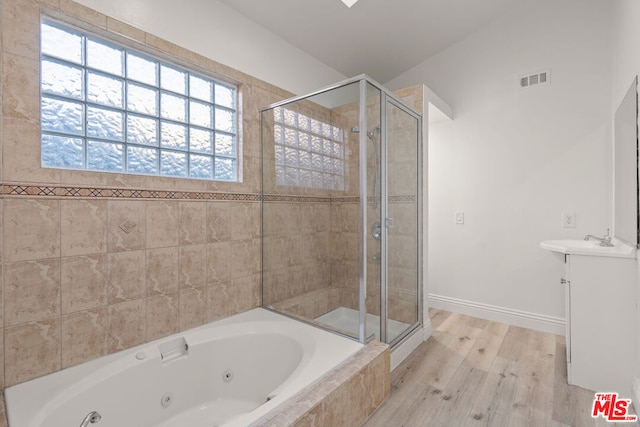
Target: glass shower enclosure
341 210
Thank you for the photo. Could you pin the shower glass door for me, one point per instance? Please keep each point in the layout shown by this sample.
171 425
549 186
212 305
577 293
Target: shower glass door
401 212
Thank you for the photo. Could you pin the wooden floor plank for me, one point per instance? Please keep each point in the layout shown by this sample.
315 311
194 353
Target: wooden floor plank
487 345
457 398
494 402
518 379
533 401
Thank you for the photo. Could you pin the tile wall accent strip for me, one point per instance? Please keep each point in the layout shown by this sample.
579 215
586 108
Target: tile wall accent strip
10 190
295 199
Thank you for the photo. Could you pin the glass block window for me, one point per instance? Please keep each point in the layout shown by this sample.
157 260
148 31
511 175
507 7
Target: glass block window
308 152
108 108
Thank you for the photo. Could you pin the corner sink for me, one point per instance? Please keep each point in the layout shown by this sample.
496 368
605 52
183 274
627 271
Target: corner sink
589 248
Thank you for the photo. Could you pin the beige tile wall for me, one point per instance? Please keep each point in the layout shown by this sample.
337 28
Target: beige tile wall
307 286
83 275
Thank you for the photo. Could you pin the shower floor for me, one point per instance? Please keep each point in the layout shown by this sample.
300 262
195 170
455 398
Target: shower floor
346 319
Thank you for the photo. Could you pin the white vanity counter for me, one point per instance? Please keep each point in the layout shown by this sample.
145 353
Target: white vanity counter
600 299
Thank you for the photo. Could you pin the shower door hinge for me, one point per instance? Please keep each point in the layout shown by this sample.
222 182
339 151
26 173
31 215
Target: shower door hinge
389 222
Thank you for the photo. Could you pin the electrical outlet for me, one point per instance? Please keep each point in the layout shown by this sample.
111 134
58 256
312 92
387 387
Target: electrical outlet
569 219
459 217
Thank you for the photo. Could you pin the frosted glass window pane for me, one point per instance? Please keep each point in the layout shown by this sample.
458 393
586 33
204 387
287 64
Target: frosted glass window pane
277 114
173 164
173 135
225 145
338 166
291 176
326 146
305 159
224 120
201 166
142 130
142 69
142 99
150 126
106 156
61 43
279 154
225 169
278 134
142 160
303 122
201 140
105 124
328 164
316 144
289 117
326 130
105 90
173 107
173 80
62 79
316 126
200 88
316 161
225 96
316 178
62 152
337 134
290 156
305 178
280 175
338 182
200 114
304 141
104 57
338 150
291 137
62 116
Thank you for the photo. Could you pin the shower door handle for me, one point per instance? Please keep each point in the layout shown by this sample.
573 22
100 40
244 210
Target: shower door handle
389 222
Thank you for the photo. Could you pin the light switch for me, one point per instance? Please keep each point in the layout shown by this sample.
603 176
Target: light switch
459 217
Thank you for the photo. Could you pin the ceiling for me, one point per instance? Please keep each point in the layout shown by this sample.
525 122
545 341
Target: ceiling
381 38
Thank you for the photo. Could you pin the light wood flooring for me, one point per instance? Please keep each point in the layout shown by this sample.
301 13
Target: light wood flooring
474 372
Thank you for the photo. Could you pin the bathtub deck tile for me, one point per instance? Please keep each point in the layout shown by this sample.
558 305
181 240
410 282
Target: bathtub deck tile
340 397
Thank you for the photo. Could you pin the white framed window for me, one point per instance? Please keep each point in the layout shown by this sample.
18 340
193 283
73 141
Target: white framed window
105 107
308 152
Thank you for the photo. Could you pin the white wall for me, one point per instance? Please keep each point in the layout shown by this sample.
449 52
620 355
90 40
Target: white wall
626 65
513 160
216 31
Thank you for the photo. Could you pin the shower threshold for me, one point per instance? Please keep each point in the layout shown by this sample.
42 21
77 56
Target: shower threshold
346 319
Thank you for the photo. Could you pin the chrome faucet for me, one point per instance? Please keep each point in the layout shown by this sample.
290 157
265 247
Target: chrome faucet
604 241
91 418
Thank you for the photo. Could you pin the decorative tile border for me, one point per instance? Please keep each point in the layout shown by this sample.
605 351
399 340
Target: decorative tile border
16 190
295 199
9 190
410 198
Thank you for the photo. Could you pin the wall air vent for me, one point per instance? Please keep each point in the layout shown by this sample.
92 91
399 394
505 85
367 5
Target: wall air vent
535 79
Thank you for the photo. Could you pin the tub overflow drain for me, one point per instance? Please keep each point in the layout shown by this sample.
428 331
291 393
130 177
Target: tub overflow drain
166 400
227 376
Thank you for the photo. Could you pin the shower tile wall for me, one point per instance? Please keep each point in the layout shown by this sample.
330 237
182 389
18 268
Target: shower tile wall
403 263
93 263
296 227
307 285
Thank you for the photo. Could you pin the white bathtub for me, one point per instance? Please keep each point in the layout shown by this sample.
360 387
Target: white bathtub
227 373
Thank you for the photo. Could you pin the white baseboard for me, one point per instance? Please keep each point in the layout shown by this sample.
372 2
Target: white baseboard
525 319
